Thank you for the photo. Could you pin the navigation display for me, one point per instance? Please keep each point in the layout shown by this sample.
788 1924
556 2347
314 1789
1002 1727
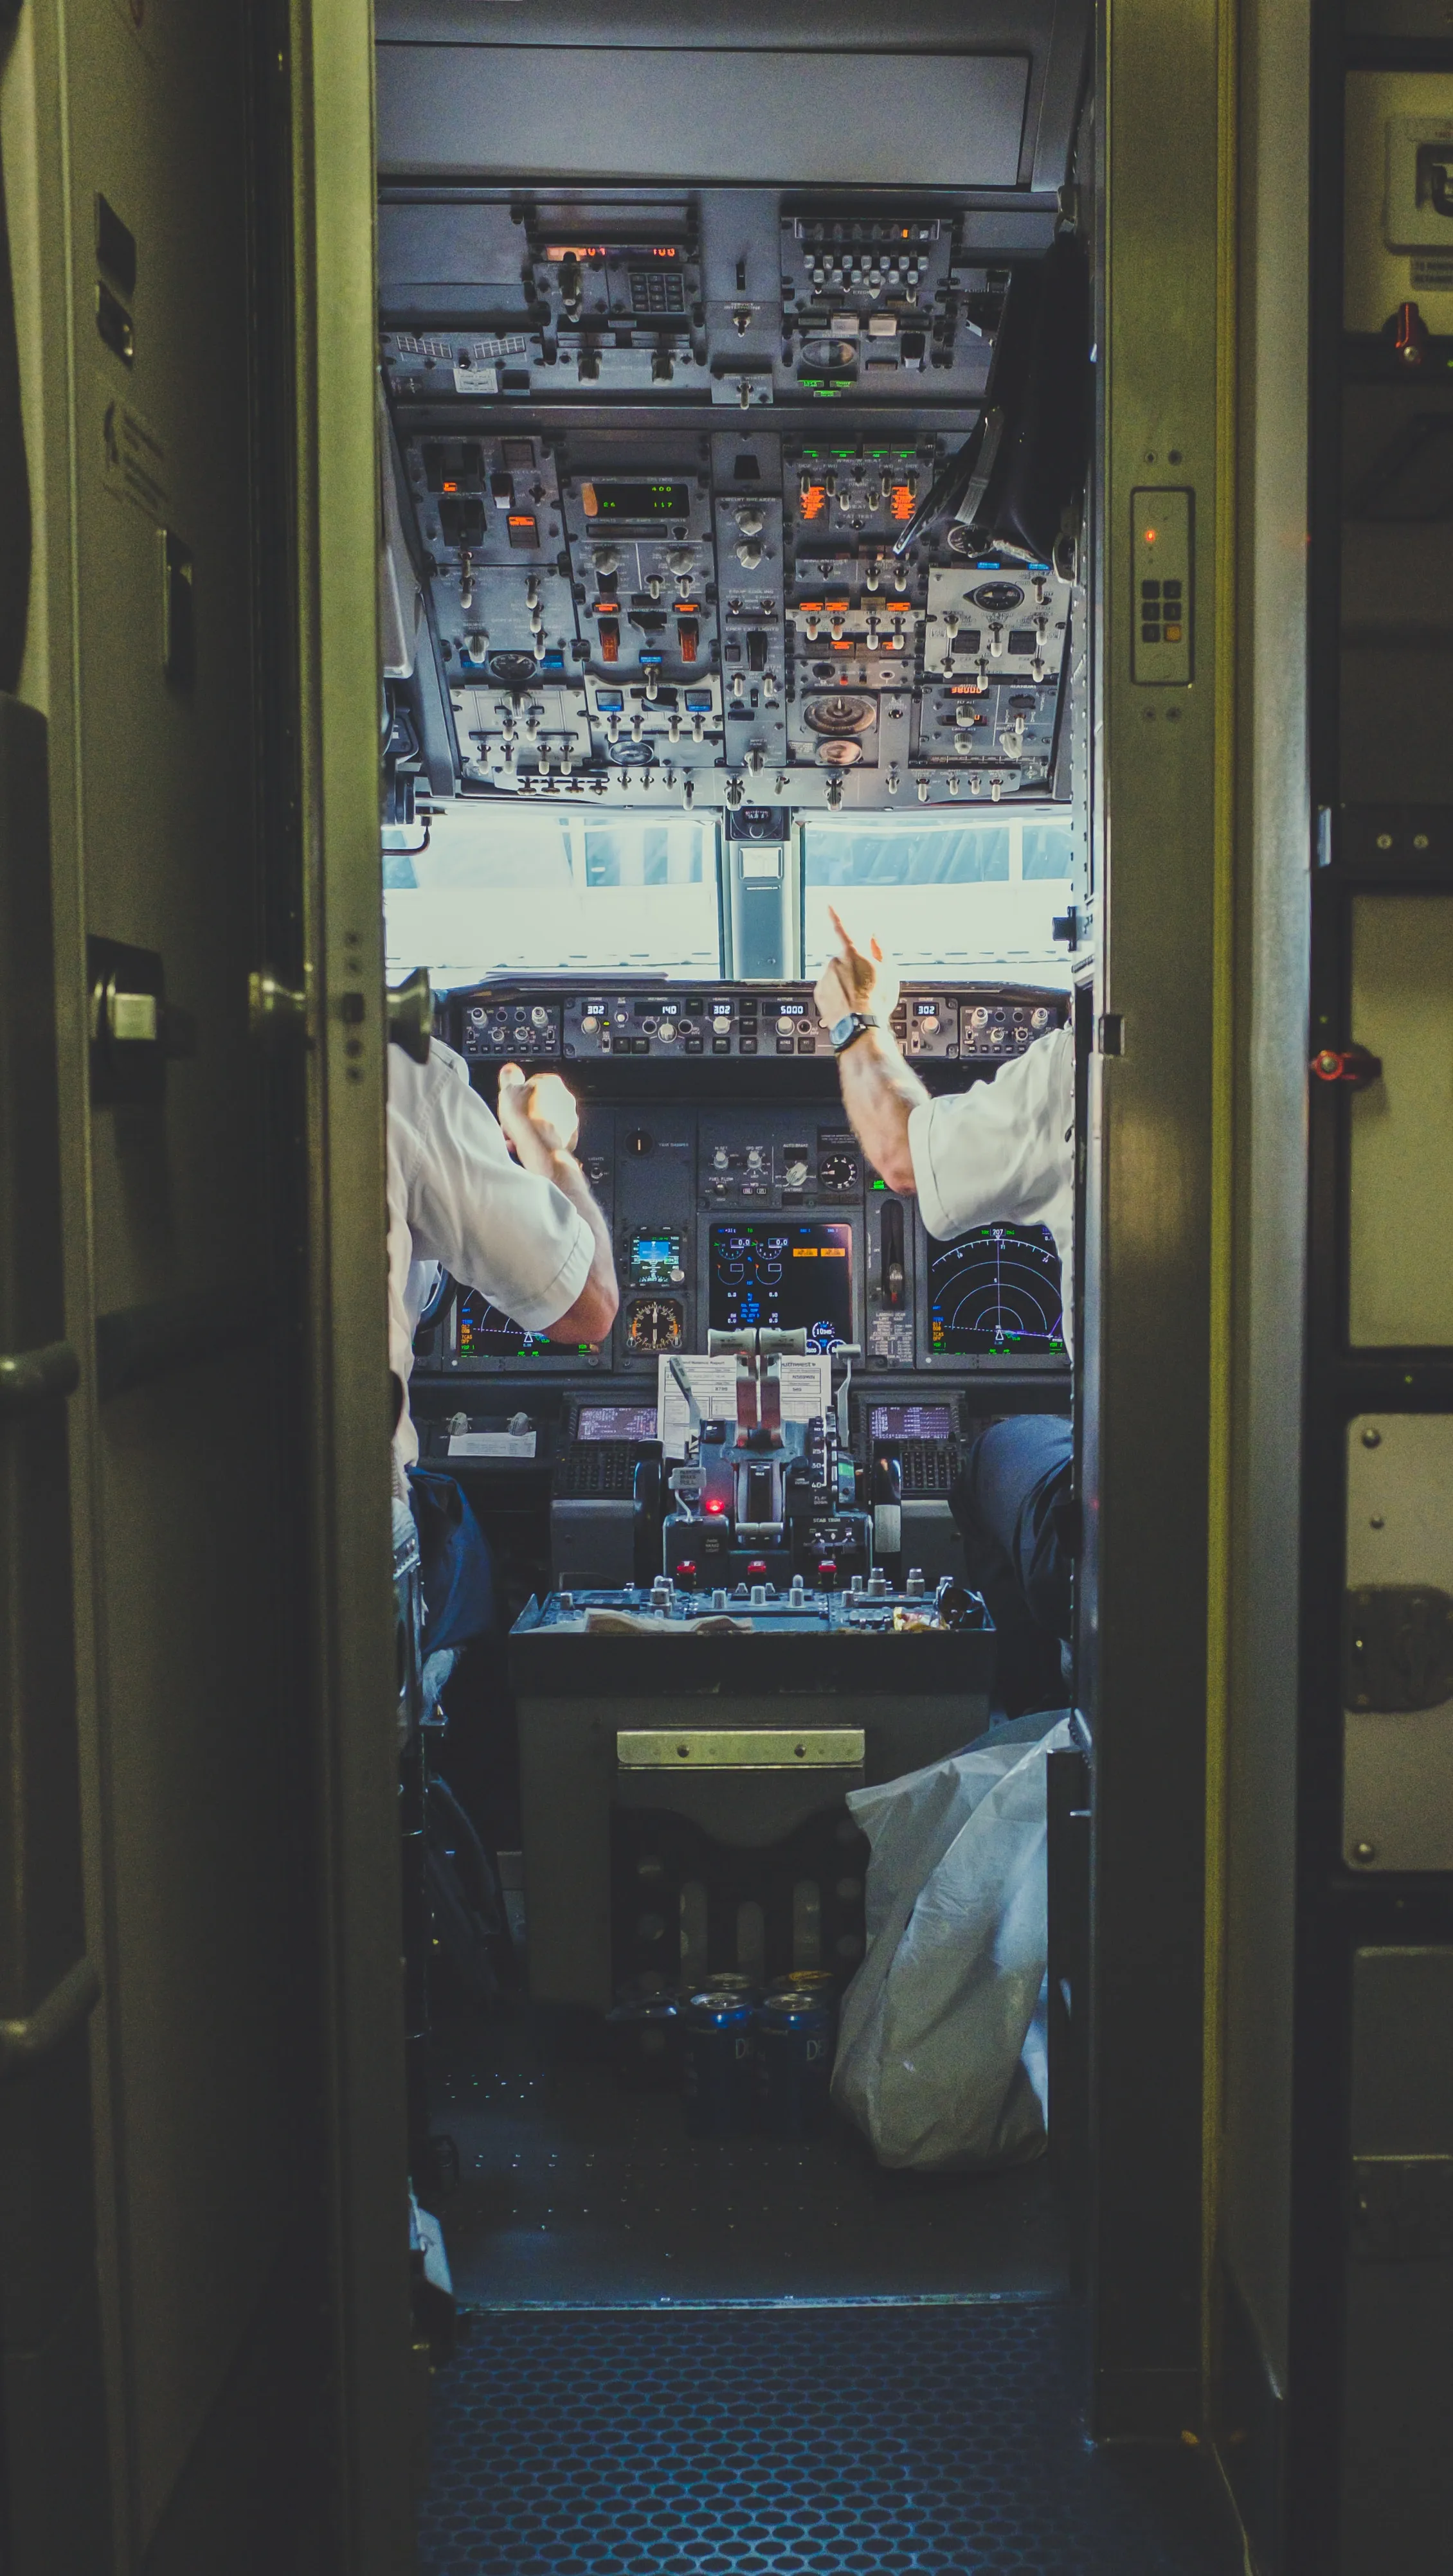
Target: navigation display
787 1277
486 1332
996 1289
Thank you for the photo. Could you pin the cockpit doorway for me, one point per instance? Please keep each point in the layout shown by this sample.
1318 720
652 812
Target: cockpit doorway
750 552
697 485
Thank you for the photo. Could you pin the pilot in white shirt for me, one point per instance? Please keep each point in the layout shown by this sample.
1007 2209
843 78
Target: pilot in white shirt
1003 1149
523 1230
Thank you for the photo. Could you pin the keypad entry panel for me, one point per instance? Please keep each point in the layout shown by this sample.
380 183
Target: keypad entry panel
1161 607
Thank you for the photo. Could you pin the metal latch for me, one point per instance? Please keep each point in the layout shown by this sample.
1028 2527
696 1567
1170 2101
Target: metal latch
1352 1068
741 1748
26 2043
29 1377
1402 2208
134 1031
1397 1647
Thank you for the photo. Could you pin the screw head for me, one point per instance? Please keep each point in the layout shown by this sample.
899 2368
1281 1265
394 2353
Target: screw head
1362 1853
1371 1438
1377 1521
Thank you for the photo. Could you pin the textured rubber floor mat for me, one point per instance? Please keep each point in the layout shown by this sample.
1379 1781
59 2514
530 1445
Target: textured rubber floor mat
835 2442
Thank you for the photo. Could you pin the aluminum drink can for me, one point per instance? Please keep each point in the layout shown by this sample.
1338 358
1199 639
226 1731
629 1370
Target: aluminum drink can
729 1981
820 1983
794 2062
717 2064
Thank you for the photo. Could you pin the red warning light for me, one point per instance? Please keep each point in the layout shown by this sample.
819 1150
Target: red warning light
814 501
1150 536
901 503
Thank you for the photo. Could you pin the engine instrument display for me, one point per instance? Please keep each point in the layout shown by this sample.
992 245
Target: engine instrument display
996 1289
788 1277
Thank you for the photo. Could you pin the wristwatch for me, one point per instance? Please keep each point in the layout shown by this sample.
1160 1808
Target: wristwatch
850 1026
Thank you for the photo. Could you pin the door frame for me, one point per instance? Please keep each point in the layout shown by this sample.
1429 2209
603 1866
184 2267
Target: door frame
380 2382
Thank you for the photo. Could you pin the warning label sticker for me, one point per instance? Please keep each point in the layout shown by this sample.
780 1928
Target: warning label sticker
133 458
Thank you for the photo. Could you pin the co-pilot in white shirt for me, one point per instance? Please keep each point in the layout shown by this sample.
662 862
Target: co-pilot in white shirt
456 1199
1004 1149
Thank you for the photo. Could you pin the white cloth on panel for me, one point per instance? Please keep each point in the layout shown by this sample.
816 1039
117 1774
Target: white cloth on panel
1004 1148
457 1199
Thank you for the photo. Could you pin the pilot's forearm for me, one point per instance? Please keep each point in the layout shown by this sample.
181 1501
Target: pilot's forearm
880 1094
591 1316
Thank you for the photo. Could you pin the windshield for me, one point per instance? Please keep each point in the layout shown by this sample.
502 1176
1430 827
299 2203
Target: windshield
499 889
496 887
974 896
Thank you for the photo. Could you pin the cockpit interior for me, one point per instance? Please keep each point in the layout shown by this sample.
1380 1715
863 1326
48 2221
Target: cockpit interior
558 1888
737 548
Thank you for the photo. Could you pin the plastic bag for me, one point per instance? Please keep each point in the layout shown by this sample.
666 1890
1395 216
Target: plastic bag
937 2058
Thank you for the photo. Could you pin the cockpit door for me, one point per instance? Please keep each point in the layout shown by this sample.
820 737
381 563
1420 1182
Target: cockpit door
199 1836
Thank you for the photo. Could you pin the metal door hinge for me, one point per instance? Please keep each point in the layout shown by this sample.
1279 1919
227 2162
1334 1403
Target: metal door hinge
1402 2209
28 1377
1397 1647
26 2043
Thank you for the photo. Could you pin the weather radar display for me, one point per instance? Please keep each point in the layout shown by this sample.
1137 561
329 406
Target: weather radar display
996 1289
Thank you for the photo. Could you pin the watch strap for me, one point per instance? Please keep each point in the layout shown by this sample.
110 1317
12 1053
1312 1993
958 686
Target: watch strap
851 1026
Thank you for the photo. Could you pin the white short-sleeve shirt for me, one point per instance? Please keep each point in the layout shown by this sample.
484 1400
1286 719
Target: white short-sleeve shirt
1004 1148
457 1200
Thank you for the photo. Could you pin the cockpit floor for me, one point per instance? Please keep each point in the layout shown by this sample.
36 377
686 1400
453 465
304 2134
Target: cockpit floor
574 2190
876 2441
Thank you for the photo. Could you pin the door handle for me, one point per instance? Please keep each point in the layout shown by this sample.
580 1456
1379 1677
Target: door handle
26 2043
275 1009
28 1377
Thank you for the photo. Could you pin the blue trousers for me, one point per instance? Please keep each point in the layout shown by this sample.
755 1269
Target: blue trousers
1005 1502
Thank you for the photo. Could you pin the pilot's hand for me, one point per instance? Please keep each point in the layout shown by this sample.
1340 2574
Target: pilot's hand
540 1117
854 980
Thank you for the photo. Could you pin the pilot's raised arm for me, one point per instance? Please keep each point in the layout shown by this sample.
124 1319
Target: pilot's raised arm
1002 1150
522 1228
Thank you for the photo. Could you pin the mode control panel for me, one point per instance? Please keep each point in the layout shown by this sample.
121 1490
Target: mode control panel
739 1021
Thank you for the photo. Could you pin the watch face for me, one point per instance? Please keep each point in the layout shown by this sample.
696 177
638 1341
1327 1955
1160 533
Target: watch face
842 1029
